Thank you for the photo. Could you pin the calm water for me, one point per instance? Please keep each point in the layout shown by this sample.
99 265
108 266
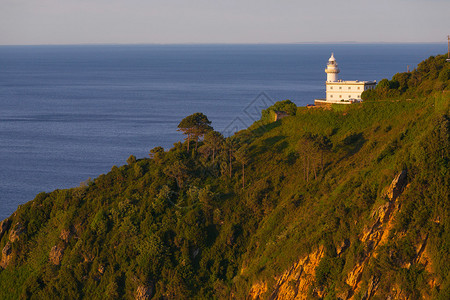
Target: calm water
72 112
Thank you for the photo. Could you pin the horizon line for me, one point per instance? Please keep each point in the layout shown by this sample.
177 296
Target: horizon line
224 43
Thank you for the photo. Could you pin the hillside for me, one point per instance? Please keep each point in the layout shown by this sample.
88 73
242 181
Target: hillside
350 202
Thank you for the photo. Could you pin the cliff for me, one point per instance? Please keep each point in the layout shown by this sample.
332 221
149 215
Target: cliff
299 281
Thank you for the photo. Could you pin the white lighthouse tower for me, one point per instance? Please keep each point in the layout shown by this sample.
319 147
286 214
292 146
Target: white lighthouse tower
332 69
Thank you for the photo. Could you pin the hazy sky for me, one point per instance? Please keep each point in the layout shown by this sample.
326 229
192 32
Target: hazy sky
222 21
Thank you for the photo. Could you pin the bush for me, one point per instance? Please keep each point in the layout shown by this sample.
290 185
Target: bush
286 105
131 159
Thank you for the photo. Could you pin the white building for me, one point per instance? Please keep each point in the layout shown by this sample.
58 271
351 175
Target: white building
339 91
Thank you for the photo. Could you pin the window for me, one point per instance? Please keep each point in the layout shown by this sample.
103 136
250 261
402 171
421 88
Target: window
331 87
359 96
331 96
349 87
358 87
340 87
349 96
340 96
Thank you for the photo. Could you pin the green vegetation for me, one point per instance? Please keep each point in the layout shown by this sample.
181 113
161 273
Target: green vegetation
286 106
195 126
433 74
212 222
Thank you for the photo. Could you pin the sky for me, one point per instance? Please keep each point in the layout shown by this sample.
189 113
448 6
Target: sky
31 22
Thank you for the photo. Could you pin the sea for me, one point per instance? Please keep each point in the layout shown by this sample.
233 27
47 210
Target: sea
69 113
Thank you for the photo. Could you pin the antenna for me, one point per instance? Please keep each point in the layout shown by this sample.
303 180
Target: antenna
448 48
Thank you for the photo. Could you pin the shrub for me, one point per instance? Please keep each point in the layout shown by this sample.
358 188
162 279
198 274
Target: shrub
131 159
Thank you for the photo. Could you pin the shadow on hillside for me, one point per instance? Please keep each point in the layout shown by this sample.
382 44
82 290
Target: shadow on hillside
259 131
273 140
274 144
292 158
353 143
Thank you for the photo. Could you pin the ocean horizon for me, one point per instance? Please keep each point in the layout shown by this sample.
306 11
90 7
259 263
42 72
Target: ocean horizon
71 112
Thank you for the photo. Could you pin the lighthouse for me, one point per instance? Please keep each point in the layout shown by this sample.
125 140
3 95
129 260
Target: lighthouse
342 91
332 69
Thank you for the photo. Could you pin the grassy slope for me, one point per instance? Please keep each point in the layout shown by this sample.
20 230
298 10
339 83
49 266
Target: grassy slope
211 237
337 205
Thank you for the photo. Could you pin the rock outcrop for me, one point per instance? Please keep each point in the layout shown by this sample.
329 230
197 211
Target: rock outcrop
16 232
56 254
295 282
144 292
14 235
6 255
258 289
4 226
65 235
57 251
397 186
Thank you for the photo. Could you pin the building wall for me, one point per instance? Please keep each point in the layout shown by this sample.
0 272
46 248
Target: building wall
346 90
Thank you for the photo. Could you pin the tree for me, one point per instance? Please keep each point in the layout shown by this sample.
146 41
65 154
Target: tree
214 140
242 156
131 159
195 126
402 79
324 144
368 95
154 152
231 145
178 171
157 154
382 88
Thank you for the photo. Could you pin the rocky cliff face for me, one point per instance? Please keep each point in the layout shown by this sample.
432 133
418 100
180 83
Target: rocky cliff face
376 234
144 292
15 234
294 283
299 280
6 255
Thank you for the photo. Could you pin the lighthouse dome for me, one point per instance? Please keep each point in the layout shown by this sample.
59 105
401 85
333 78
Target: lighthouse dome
332 61
332 57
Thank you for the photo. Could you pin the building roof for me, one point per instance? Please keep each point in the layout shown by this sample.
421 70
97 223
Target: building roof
356 82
